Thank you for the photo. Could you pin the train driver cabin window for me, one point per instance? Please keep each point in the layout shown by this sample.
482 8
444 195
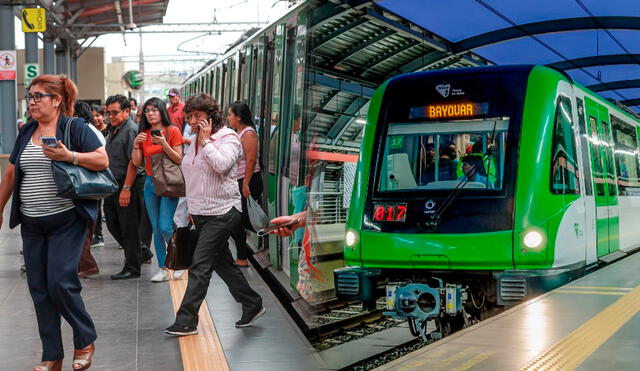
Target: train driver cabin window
564 167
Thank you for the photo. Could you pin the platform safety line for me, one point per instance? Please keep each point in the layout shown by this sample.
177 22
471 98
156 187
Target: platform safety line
599 288
202 352
588 292
570 352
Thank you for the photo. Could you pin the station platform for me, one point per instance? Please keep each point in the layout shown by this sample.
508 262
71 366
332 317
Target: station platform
130 316
589 324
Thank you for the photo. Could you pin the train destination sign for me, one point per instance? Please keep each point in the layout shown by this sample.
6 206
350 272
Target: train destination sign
389 212
449 110
452 110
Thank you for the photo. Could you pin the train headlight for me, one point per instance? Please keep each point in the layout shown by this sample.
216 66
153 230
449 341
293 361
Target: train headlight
532 239
350 238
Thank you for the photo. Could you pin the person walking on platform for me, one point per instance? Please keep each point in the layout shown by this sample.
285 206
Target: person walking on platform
213 199
97 112
88 266
176 108
121 208
166 138
249 179
53 228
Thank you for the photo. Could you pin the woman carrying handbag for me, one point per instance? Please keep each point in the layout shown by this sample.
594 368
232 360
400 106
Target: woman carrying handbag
158 136
53 228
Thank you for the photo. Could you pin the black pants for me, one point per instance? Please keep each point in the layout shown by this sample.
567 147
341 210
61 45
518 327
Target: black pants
212 253
122 223
97 230
52 247
146 232
239 236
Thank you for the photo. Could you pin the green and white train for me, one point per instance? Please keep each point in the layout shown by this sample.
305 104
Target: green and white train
479 187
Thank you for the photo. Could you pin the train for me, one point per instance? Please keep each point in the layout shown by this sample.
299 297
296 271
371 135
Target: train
477 188
308 78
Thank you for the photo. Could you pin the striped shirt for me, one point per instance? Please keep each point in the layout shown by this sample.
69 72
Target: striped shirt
243 160
210 174
38 190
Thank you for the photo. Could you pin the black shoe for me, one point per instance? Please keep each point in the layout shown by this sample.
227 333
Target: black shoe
97 241
23 268
249 317
147 255
181 330
124 275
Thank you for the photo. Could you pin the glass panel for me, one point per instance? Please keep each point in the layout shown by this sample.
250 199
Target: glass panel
410 160
597 157
611 183
584 145
276 96
626 156
564 167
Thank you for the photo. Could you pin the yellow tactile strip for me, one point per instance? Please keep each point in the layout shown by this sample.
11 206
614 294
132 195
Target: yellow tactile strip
593 290
202 352
571 351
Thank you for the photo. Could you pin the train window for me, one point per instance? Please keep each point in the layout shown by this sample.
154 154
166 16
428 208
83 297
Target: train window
410 161
625 140
564 167
597 157
584 145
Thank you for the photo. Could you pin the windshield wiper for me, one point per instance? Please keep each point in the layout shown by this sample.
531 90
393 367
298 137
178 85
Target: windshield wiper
432 224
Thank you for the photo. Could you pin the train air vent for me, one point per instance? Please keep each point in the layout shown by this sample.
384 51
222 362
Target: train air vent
348 284
513 288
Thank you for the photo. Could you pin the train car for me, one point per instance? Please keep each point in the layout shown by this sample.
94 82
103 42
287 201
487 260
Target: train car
480 187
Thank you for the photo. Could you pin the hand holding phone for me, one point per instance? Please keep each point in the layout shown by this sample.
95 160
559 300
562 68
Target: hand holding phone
272 228
50 142
156 133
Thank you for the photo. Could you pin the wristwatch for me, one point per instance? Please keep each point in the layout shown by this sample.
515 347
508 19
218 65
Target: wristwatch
126 187
75 158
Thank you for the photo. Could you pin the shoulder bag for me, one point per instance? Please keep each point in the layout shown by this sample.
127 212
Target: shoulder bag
77 182
167 177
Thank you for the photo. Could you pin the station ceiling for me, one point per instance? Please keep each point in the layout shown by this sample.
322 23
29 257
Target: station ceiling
81 19
596 42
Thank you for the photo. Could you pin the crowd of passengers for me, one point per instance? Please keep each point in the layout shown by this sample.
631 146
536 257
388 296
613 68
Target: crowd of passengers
472 166
218 154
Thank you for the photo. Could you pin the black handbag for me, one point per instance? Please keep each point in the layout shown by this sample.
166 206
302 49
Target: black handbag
181 247
77 182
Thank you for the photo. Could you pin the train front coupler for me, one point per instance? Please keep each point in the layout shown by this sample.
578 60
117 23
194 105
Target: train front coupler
419 303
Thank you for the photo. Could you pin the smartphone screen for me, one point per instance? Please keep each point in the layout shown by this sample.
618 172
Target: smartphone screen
50 141
156 133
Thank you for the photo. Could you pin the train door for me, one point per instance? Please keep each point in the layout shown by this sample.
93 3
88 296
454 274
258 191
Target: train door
606 191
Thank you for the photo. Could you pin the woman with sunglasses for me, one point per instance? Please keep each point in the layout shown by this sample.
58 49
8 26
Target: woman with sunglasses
53 228
160 209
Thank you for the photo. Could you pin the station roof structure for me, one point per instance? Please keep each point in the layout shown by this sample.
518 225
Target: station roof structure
596 42
82 19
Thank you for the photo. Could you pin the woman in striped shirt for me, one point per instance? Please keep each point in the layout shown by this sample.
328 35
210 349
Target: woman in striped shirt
213 200
53 228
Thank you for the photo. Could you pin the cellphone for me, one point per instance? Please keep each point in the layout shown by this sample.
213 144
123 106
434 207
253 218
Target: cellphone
50 141
269 229
156 133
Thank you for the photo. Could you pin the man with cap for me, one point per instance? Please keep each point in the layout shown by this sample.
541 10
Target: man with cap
176 116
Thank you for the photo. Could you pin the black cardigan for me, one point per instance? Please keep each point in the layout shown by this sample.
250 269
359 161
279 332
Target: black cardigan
83 139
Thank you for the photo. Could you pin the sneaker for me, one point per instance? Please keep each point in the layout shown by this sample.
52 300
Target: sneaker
181 330
162 275
97 241
249 317
178 274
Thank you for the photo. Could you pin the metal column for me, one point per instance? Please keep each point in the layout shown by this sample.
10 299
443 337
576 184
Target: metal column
73 68
30 49
8 102
49 56
61 57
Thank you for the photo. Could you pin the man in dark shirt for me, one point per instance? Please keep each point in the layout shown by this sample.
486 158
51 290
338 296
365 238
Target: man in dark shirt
121 208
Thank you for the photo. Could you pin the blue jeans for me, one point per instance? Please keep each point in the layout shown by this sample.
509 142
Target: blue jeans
160 210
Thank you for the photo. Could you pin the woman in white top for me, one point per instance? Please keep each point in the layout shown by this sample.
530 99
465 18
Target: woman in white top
249 179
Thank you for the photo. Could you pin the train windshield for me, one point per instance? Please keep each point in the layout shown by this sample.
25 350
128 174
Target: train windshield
442 154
